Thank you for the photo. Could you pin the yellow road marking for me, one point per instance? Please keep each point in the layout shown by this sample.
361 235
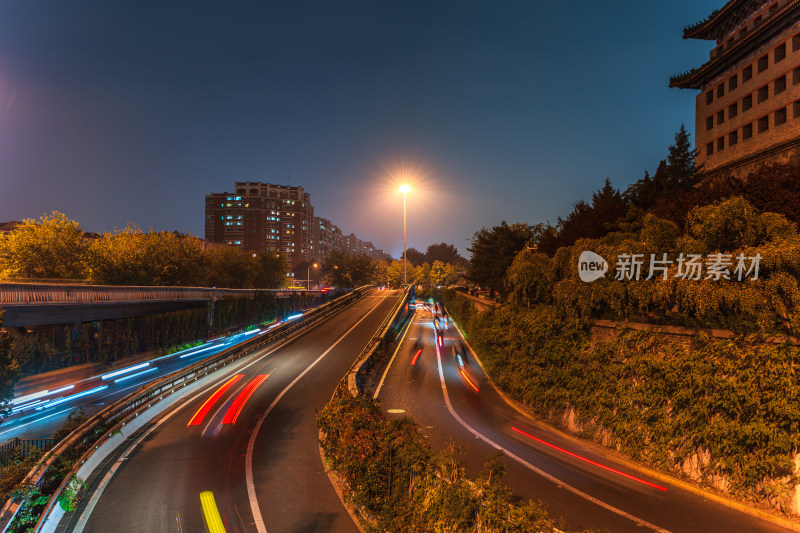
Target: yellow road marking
211 513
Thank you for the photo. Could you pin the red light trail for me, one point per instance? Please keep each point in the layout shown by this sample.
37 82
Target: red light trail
197 419
236 407
604 467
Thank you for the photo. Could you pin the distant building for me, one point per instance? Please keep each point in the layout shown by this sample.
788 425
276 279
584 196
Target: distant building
8 227
261 216
748 109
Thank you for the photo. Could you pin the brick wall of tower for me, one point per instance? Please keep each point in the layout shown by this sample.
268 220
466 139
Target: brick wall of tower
750 114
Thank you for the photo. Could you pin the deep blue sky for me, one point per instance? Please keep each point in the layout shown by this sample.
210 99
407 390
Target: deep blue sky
132 112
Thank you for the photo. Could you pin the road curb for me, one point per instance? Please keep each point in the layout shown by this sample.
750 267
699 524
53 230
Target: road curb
337 483
723 500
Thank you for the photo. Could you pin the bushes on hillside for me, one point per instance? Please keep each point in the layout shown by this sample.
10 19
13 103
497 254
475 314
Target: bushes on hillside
743 299
725 413
390 472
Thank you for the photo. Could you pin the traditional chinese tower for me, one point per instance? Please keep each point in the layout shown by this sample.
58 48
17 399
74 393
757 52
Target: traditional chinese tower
748 109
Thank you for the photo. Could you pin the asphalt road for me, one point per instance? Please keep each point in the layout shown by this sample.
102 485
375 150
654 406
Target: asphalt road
40 416
578 493
156 485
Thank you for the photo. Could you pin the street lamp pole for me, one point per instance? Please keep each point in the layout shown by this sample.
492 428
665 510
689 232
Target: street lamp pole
308 276
404 189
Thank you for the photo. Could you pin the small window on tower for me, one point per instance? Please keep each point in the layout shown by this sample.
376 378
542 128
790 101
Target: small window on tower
720 116
733 110
747 102
747 73
763 93
709 97
763 63
733 138
780 52
733 82
747 131
780 116
720 143
780 84
720 90
763 124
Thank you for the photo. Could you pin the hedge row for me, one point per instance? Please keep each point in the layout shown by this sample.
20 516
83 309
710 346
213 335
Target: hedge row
727 413
390 473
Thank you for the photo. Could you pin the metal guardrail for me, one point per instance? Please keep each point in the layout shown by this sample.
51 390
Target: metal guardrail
103 425
22 448
373 344
45 293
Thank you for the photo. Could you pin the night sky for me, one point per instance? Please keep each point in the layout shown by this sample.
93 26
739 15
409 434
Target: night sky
133 112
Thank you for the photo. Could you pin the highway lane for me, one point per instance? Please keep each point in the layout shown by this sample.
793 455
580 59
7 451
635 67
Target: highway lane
39 414
581 494
156 485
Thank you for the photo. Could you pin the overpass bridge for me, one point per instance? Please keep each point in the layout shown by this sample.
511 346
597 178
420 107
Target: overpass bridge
43 304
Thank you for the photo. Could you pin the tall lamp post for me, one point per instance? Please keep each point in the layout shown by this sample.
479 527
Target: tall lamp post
308 276
404 188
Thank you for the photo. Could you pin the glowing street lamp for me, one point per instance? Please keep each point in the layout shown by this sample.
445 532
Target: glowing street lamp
404 188
308 275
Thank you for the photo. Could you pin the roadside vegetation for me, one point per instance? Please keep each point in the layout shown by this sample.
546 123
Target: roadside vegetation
398 484
56 247
725 413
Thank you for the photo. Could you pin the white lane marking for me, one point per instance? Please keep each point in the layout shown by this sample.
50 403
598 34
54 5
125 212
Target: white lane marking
383 377
251 487
84 518
535 469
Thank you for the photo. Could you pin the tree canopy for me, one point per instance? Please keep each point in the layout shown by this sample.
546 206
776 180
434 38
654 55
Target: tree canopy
414 256
493 251
446 253
343 270
54 247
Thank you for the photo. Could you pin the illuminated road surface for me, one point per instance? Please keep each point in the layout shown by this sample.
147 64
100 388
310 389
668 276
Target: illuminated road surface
39 414
197 447
586 490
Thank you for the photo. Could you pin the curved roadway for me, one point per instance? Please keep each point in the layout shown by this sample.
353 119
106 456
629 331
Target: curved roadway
435 393
263 470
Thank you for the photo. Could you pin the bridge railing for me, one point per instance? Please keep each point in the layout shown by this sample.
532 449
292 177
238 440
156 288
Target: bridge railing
82 443
353 380
43 293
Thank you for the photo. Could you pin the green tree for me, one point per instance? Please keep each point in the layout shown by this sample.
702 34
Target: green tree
230 268
530 278
9 371
446 253
421 275
494 250
394 273
442 274
272 270
343 270
674 176
54 247
414 256
132 257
